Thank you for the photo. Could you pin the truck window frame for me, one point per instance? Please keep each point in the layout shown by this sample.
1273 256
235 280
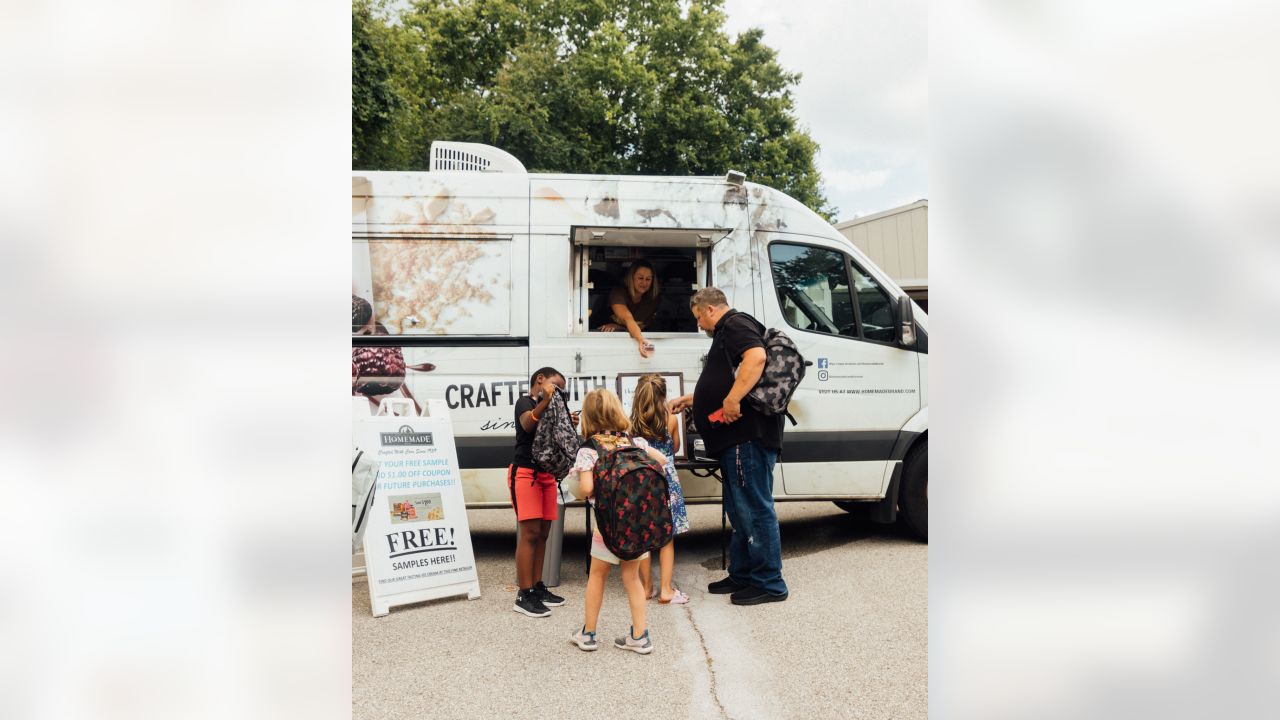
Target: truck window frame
857 305
849 265
581 238
417 337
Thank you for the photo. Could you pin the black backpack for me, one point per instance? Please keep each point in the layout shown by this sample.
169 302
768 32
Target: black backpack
555 444
630 497
784 369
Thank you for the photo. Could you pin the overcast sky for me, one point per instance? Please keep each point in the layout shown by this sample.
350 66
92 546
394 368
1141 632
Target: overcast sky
864 94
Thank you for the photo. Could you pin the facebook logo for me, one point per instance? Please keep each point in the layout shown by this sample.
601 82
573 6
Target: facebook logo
823 363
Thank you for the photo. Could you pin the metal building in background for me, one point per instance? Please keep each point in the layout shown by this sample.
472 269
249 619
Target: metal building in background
898 241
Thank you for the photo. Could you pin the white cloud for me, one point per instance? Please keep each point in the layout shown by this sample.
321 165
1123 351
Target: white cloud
864 94
854 180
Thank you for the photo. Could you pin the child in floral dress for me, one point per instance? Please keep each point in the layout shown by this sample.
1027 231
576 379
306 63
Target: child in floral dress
651 420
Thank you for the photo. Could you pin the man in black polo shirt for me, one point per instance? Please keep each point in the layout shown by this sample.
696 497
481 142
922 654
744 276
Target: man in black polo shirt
746 444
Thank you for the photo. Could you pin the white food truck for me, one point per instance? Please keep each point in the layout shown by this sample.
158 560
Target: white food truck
469 277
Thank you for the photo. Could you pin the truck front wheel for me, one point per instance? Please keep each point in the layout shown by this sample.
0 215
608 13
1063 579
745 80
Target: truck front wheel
913 496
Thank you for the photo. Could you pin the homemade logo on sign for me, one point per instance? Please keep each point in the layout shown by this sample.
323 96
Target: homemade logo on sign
406 436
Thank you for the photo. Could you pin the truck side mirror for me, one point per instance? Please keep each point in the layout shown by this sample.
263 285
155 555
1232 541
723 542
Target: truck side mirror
906 322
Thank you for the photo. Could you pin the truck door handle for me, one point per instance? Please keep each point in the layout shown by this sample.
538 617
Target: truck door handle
577 363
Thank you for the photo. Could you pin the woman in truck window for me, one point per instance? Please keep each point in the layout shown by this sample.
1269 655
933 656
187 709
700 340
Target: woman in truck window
635 304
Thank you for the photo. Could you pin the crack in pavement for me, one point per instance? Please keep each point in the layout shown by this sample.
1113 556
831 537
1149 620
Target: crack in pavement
711 669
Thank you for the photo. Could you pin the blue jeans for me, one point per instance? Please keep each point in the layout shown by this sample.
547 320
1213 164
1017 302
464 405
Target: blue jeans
755 550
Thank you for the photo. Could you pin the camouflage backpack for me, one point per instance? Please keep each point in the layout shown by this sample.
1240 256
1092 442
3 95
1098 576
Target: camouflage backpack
555 444
630 497
783 371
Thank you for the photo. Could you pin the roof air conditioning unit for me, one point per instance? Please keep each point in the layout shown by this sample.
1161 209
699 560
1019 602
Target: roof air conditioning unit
472 157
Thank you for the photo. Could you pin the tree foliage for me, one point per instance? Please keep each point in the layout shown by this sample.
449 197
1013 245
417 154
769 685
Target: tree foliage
376 100
651 87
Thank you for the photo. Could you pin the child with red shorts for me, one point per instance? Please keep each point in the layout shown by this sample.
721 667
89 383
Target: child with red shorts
533 496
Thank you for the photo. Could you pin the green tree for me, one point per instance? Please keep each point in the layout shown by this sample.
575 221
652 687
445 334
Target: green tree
376 102
589 86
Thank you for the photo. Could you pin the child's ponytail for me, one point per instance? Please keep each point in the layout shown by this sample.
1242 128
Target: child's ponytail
649 408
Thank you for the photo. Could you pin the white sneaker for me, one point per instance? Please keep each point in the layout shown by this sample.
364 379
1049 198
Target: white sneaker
584 640
643 645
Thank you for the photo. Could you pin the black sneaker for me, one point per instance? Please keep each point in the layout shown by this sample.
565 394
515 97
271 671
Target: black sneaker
547 597
527 602
722 587
755 596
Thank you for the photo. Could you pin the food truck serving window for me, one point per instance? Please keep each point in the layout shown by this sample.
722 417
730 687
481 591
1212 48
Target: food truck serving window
604 258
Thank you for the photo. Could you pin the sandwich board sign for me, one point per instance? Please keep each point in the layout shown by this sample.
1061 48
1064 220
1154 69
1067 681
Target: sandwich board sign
417 544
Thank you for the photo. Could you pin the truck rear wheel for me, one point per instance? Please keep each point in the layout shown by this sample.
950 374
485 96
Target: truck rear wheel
913 496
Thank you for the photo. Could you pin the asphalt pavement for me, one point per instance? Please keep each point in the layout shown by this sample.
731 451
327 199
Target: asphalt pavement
850 642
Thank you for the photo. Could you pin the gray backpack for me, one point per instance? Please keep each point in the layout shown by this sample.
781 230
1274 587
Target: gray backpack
784 369
556 442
